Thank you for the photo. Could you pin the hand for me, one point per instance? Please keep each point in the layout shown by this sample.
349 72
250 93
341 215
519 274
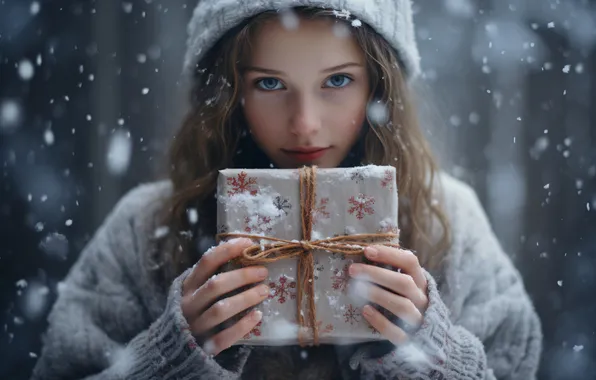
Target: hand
201 289
402 293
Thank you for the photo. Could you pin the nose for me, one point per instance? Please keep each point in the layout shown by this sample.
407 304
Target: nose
305 118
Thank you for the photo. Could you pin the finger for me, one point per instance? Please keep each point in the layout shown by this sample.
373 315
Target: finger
399 258
212 260
221 284
384 326
231 335
399 306
400 283
223 310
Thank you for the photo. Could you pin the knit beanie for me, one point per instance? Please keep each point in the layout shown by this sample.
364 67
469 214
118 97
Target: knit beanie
392 19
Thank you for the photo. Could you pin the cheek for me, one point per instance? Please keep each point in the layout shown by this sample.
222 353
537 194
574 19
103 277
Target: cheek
261 116
348 112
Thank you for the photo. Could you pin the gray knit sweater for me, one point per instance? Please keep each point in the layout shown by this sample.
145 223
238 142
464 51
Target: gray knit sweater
111 321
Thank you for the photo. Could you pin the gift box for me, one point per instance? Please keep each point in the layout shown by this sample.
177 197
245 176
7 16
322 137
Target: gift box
308 226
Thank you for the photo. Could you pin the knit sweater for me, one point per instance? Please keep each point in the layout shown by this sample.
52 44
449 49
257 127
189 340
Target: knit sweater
112 321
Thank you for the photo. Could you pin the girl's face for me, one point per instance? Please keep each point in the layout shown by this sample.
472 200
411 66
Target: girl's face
305 94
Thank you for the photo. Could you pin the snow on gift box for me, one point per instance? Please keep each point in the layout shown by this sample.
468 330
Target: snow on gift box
308 225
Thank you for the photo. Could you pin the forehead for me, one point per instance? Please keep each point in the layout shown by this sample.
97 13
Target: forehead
320 42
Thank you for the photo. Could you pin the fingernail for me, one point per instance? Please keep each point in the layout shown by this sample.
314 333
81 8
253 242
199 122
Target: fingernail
354 269
239 241
262 272
257 315
371 252
263 290
367 310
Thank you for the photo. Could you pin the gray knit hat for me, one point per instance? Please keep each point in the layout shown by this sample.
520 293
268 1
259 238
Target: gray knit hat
392 19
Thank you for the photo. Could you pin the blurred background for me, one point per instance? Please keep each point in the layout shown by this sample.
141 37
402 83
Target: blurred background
91 92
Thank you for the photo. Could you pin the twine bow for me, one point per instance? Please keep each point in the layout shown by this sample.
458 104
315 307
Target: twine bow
280 249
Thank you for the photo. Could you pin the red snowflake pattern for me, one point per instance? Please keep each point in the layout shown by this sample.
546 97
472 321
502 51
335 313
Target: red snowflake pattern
351 315
388 180
340 278
242 183
282 289
256 331
260 224
324 330
361 205
320 212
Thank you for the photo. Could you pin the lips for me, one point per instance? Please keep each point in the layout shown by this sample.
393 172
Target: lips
305 154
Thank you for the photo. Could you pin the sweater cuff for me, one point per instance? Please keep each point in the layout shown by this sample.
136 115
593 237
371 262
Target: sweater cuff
438 350
170 351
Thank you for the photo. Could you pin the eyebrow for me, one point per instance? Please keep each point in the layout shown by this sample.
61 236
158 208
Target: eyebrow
276 72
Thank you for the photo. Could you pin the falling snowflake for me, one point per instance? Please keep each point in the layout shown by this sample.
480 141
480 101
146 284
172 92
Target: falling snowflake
161 231
361 205
256 331
378 112
55 245
282 289
282 204
340 278
193 215
320 212
242 183
26 69
351 315
119 152
34 8
289 19
578 348
388 180
48 137
35 301
11 114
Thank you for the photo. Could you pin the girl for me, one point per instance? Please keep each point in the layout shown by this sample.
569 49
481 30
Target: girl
325 83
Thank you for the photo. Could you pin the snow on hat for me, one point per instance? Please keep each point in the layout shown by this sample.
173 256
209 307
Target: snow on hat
392 19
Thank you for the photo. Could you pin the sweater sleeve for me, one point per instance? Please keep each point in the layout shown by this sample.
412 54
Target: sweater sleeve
496 334
98 328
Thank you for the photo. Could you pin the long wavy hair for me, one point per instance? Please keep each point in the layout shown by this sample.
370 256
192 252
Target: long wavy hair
213 136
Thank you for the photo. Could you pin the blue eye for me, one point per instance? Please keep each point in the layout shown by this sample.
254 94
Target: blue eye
269 84
339 80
